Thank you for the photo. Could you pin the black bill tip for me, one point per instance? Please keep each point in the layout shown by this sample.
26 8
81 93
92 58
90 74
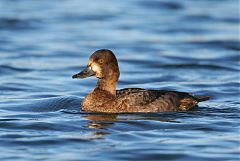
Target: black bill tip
75 76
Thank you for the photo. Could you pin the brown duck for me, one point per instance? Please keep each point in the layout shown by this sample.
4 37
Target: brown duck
105 98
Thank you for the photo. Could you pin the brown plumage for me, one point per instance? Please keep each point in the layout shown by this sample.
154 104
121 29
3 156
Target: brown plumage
105 98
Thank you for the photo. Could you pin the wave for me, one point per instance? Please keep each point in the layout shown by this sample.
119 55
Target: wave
8 23
6 69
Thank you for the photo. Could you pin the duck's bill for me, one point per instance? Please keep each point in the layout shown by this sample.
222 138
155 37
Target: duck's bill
87 72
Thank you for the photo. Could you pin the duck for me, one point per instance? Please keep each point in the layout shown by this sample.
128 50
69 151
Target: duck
105 98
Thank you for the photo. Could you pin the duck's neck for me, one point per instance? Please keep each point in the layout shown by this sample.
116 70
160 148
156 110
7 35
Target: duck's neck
107 85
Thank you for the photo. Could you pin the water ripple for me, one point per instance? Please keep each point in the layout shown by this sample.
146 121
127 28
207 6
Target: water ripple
6 69
18 24
154 4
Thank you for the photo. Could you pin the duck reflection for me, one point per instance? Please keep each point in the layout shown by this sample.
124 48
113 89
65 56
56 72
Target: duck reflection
102 121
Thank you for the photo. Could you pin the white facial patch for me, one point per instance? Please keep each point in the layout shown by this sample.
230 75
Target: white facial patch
95 67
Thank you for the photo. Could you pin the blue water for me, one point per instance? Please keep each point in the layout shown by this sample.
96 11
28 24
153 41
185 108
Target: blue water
184 45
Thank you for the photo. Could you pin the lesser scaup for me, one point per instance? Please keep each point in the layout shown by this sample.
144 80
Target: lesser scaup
105 98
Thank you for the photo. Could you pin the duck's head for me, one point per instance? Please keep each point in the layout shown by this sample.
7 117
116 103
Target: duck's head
101 64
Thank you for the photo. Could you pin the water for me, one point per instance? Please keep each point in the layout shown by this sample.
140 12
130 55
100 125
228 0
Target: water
185 45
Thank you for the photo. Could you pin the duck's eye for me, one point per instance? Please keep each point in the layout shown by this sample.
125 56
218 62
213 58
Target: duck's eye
100 61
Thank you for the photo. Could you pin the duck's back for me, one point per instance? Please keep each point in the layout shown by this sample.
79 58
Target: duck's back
141 100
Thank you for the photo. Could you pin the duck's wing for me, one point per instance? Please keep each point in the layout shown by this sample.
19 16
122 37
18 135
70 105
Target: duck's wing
141 100
156 100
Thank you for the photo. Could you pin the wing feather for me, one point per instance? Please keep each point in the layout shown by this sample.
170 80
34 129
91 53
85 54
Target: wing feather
147 100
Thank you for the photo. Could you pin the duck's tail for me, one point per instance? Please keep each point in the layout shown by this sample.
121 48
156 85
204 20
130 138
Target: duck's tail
190 101
201 98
